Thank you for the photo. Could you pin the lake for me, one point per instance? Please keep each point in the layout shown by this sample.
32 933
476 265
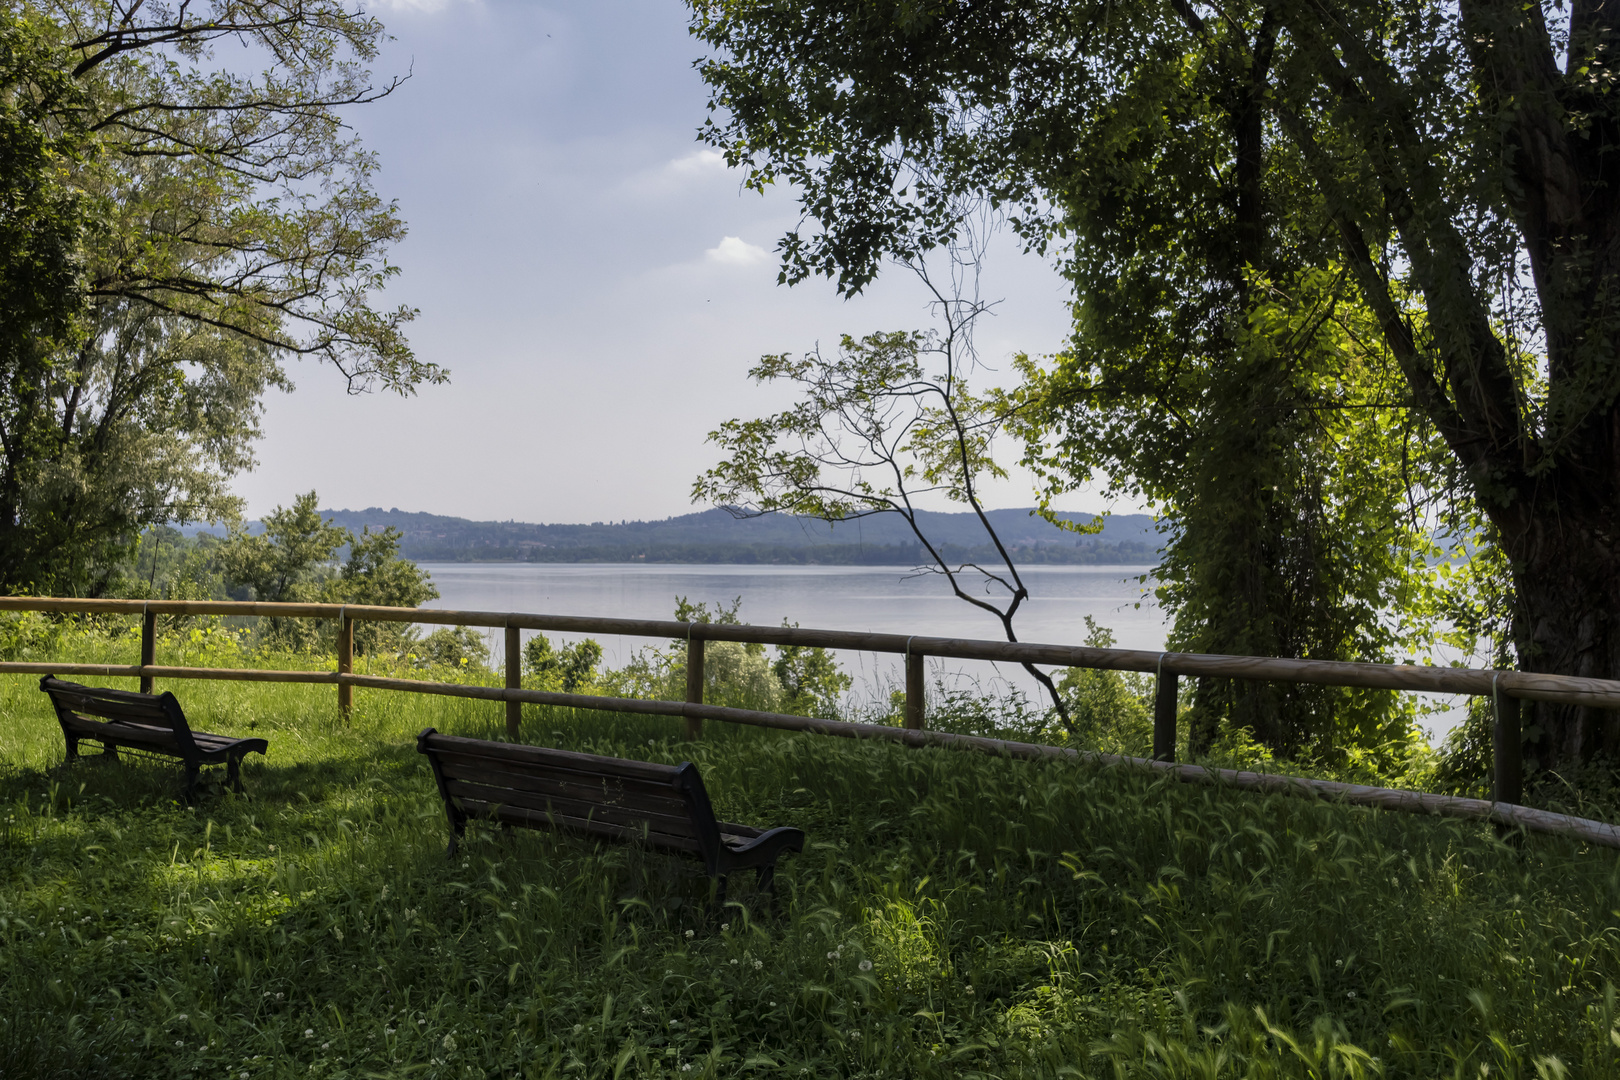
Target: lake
880 599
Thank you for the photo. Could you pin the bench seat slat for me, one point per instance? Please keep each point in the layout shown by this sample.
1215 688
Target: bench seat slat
558 759
472 764
664 799
661 783
667 824
212 748
136 712
547 820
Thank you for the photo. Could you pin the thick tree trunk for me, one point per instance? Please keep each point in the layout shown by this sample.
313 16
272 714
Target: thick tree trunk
1567 622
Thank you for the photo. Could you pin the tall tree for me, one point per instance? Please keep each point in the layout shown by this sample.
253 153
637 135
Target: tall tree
1460 154
217 223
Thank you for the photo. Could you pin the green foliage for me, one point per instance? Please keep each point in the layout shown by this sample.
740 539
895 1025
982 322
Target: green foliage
571 668
1327 308
1112 710
954 914
812 684
175 228
289 560
451 649
874 432
375 574
28 635
295 559
801 681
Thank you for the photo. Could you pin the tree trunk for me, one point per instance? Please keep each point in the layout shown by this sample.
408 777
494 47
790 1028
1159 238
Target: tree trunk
1566 569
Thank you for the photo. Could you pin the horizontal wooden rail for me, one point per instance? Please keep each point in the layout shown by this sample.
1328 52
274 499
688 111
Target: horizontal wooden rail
1567 689
693 711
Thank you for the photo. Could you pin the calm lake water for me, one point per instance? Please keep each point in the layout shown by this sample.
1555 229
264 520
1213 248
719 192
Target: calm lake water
883 599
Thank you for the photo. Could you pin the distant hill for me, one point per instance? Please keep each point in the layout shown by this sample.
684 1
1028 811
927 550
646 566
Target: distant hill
714 536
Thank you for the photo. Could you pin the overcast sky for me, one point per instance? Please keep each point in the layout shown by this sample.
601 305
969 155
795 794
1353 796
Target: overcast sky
594 279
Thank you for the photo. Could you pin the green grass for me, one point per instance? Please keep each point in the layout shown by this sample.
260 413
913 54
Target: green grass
952 915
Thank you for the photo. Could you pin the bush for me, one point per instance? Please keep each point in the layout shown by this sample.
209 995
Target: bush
457 647
1110 710
571 668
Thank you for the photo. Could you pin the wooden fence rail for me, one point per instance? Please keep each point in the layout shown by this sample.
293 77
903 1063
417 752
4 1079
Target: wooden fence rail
1506 688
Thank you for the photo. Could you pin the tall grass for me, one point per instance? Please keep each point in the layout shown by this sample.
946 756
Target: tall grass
952 915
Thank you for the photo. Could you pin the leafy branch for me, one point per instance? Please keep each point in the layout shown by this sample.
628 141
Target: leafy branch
886 422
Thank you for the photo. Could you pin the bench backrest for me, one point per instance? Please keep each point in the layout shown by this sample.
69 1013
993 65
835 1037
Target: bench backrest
120 706
617 798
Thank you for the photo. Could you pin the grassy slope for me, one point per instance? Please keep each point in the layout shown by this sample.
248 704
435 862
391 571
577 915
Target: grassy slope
1019 919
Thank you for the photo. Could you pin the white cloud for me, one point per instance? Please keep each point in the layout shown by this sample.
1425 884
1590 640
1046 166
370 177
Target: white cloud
676 177
697 163
734 251
425 7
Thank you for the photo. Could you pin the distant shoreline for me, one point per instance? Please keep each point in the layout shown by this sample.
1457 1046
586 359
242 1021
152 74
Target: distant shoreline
715 537
1131 567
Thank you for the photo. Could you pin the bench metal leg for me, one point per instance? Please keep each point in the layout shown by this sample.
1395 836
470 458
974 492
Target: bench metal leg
233 773
719 903
458 828
192 771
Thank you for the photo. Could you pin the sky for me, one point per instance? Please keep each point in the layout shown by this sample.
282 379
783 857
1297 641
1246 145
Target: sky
596 281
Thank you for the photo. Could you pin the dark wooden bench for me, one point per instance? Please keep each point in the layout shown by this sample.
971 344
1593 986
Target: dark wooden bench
662 806
153 723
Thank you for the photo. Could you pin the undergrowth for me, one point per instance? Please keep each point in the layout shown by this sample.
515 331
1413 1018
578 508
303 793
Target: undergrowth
953 914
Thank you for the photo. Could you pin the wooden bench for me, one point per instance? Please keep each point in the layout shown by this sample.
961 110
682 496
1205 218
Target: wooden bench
662 806
153 723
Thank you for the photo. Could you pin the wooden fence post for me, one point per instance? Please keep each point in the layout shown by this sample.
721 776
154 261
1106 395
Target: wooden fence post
1507 750
694 685
514 681
148 647
916 682
345 665
1164 716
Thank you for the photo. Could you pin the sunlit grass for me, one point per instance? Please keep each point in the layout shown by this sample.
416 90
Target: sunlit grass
952 915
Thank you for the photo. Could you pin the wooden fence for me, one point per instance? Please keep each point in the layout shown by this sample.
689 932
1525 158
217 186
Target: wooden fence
1505 688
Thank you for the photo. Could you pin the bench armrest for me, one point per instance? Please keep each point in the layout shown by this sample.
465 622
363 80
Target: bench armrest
765 847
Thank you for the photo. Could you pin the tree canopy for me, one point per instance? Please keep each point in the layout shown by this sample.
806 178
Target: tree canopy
188 224
1446 167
